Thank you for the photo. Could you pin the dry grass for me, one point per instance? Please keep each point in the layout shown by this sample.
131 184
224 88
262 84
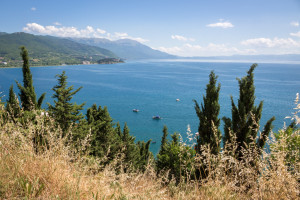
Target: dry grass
60 172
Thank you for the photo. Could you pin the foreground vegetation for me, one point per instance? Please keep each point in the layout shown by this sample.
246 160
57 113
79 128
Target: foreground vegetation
59 153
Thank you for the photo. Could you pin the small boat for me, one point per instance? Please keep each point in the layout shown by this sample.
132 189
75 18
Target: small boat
135 110
153 142
177 99
156 117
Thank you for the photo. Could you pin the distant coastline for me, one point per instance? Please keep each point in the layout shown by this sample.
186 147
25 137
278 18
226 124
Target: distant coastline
102 63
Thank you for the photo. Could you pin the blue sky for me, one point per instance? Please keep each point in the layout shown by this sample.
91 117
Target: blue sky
180 27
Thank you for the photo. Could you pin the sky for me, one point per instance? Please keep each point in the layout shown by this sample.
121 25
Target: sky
178 27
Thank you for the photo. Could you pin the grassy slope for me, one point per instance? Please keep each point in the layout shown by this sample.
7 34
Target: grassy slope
61 173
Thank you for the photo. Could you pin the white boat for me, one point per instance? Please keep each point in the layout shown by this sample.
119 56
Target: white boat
177 99
135 110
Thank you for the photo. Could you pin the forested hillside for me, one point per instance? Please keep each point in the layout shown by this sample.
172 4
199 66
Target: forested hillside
48 50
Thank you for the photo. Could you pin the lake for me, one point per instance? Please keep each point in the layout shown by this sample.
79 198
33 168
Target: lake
153 87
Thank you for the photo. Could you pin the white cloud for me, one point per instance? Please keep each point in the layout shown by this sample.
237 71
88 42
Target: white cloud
101 31
296 24
194 47
171 50
295 34
221 24
117 36
33 9
57 23
88 32
181 38
209 50
270 43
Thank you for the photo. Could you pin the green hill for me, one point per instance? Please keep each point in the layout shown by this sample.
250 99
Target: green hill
48 50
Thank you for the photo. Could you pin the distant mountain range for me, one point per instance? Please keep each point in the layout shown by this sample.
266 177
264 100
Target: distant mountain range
252 58
48 50
126 48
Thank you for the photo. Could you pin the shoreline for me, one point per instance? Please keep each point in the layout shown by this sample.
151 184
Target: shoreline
58 65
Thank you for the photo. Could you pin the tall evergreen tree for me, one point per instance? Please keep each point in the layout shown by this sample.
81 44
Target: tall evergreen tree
246 116
12 105
27 95
209 132
64 111
104 140
164 140
145 154
130 148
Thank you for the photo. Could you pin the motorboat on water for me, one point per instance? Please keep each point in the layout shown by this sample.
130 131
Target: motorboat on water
177 99
156 117
135 110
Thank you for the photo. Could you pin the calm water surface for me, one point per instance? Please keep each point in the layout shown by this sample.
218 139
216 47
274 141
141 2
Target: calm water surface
153 87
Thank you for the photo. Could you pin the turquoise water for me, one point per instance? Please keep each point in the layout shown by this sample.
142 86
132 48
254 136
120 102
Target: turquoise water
153 87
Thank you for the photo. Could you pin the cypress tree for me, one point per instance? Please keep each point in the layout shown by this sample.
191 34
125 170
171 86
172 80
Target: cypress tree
246 116
65 112
131 150
12 105
118 130
209 132
27 95
104 139
145 153
164 140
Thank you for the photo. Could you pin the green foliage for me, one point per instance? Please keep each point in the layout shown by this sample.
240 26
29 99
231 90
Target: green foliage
164 140
244 124
48 50
27 95
289 141
12 105
145 155
175 157
31 189
130 148
103 133
64 111
209 132
108 141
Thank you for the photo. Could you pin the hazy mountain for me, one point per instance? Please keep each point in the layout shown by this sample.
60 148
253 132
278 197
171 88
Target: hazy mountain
48 50
126 48
253 58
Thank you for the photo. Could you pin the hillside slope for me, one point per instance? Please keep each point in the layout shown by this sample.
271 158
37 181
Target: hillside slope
126 48
48 50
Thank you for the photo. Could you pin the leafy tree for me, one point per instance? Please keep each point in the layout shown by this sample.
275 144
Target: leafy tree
64 111
12 105
27 95
246 116
209 132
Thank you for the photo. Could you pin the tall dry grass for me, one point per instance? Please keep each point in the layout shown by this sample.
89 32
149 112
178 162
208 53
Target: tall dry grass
57 170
